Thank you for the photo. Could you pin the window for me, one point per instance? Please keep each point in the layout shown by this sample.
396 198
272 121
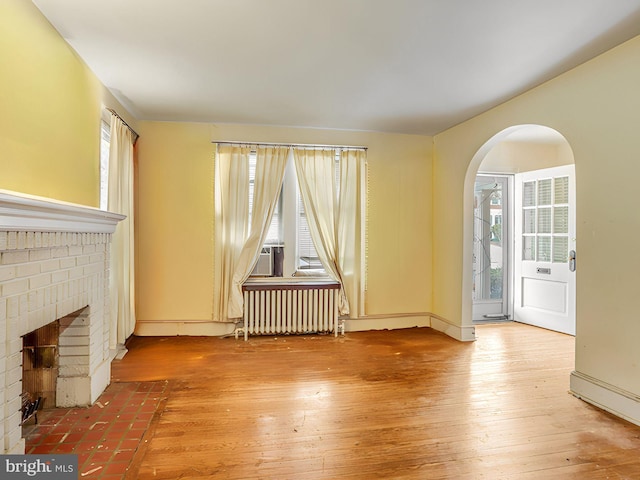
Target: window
105 139
340 211
289 228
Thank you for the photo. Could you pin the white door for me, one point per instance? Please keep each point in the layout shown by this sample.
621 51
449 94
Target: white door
545 244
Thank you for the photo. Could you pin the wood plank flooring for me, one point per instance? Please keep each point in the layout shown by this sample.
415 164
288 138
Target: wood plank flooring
406 404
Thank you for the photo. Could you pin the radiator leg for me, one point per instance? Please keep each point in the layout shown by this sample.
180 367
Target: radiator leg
244 318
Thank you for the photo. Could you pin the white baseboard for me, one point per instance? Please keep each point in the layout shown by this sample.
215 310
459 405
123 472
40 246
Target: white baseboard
387 322
159 328
175 328
462 333
614 400
410 320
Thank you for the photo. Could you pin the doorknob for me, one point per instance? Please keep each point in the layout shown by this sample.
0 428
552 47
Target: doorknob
572 261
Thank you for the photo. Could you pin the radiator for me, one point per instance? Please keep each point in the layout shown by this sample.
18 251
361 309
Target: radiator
293 308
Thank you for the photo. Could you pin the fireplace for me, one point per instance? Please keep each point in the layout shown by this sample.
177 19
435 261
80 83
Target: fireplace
54 274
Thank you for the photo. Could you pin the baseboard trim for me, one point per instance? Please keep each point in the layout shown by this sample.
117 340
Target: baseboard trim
614 400
393 321
176 328
462 333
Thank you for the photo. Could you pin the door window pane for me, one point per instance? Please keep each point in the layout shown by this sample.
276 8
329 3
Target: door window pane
560 249
529 221
561 220
529 194
528 248
544 220
561 190
544 249
544 192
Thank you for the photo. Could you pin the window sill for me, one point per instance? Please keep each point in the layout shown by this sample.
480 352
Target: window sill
298 276
289 283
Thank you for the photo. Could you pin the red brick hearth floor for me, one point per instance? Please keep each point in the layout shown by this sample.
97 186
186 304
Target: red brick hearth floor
105 436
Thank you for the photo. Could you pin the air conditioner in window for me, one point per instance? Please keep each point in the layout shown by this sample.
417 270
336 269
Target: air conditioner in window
264 266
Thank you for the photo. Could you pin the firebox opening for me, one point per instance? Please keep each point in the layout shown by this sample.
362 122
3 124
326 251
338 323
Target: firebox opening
40 364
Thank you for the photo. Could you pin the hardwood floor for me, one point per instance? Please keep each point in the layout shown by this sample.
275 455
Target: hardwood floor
412 404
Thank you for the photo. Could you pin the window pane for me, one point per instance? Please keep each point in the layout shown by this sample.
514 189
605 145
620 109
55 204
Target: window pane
561 220
274 235
529 220
529 194
560 249
308 257
544 220
544 249
544 192
528 248
561 190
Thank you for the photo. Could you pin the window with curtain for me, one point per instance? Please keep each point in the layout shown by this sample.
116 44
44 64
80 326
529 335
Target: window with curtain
289 226
299 211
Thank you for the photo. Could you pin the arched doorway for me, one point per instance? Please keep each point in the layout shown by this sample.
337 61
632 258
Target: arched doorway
520 230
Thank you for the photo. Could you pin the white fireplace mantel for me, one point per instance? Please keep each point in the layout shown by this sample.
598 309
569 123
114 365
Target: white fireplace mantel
21 212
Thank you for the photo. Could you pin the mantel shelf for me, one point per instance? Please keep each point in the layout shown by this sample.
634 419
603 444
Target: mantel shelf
22 212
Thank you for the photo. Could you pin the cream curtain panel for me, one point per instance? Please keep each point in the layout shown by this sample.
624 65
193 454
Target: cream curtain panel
334 215
120 200
270 165
351 226
238 241
231 220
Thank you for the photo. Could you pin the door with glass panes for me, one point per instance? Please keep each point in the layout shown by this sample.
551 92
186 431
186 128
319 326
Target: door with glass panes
491 252
545 278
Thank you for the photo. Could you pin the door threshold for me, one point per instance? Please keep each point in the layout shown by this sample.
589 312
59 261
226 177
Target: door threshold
498 319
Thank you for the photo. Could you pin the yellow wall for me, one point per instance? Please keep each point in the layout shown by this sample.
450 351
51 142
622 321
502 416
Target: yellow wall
175 219
174 222
597 108
49 119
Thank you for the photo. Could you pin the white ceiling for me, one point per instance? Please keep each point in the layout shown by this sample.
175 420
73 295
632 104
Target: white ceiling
407 66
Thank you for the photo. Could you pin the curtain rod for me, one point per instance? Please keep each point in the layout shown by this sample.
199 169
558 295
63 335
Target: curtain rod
302 145
135 134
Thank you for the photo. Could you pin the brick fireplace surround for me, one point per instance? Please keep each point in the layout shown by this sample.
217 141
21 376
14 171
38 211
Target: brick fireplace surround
54 265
